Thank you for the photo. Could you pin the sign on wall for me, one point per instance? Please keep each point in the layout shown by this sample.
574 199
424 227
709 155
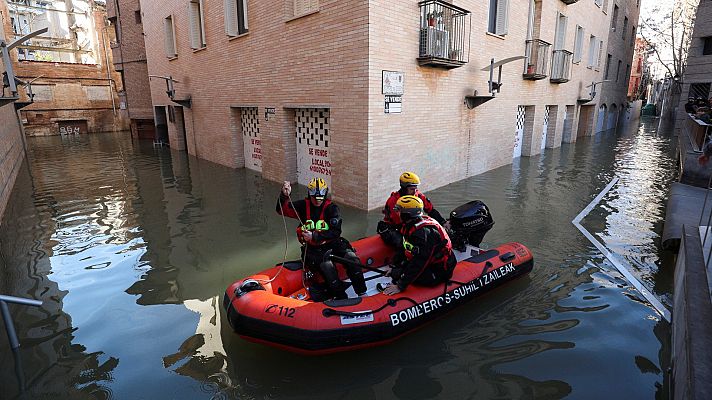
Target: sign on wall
392 82
251 137
394 104
313 153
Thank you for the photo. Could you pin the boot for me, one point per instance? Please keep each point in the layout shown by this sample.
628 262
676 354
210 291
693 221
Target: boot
355 274
337 289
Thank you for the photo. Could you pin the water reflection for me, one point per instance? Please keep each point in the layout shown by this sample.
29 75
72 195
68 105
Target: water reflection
131 247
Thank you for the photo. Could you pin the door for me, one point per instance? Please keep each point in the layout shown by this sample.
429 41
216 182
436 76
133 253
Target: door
612 117
313 156
250 124
519 133
545 128
600 125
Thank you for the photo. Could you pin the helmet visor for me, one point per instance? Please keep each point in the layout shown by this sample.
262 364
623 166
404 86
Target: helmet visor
317 192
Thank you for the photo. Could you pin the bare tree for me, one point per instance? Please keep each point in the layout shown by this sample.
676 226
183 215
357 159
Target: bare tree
668 28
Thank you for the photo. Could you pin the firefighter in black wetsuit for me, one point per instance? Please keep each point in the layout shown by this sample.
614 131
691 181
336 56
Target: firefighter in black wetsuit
320 233
428 250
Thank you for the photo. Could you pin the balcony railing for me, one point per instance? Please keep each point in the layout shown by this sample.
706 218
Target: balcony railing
444 34
537 61
561 66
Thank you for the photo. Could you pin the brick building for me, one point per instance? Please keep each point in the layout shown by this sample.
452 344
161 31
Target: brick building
73 81
636 85
129 56
361 91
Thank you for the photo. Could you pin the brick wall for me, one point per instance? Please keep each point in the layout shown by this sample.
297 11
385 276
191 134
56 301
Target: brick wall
70 90
129 55
334 59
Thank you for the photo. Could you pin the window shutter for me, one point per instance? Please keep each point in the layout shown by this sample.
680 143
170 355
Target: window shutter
168 37
244 14
203 40
578 51
231 17
502 24
560 32
194 16
600 51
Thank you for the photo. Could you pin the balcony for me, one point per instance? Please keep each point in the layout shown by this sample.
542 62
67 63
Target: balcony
561 66
444 35
537 59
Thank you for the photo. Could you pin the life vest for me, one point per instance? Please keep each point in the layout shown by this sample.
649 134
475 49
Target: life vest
440 254
392 217
310 225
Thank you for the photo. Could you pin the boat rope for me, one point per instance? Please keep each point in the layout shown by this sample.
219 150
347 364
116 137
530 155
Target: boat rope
286 247
328 312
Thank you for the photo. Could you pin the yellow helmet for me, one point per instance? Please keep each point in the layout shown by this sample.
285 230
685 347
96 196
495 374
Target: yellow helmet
409 179
409 207
317 188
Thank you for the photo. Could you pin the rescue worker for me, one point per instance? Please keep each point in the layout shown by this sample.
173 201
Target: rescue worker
320 235
389 228
428 250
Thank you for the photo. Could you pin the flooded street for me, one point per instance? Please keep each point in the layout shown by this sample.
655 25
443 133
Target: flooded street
131 247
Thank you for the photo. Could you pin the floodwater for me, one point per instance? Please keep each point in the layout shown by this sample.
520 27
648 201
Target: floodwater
131 247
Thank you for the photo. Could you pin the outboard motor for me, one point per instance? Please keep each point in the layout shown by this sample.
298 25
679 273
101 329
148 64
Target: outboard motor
469 223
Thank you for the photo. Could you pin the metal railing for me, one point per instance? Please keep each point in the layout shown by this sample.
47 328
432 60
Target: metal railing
444 34
698 132
7 318
537 59
561 66
12 334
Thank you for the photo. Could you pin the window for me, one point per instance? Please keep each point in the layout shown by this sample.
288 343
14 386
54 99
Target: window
498 17
599 53
298 8
592 49
236 17
598 2
614 19
699 90
627 71
560 40
625 27
197 26
618 70
608 67
632 36
137 17
169 37
707 46
578 44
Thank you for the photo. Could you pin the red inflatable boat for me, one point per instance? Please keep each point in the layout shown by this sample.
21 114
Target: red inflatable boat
273 307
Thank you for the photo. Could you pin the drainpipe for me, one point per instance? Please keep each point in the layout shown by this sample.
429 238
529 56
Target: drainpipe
106 61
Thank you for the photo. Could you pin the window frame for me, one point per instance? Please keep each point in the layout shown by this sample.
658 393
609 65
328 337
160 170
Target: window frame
578 44
197 32
498 17
169 37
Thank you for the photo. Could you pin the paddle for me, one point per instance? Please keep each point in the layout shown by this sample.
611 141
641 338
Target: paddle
343 260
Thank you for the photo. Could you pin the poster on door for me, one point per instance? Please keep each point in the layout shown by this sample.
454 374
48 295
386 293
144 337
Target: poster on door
313 154
251 137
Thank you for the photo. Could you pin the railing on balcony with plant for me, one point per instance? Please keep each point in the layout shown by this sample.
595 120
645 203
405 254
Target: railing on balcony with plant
561 66
536 62
444 34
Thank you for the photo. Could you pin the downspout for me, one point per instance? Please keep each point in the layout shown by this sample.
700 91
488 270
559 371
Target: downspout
106 61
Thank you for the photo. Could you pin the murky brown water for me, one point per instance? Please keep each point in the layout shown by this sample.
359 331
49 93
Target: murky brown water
131 247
